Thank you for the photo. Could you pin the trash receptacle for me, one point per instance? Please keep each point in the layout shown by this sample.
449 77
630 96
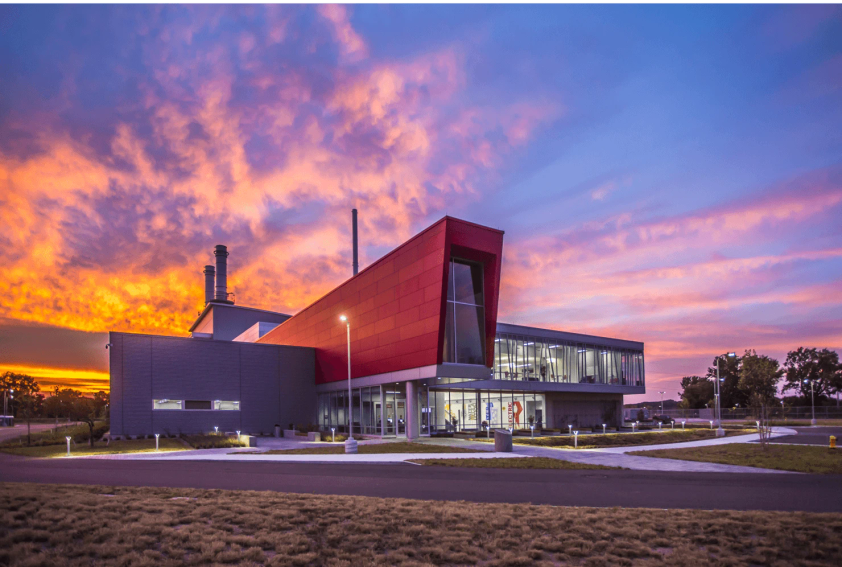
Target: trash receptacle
502 441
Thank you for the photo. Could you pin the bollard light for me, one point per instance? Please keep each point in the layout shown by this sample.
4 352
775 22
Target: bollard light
333 435
758 425
570 429
603 428
156 441
532 427
672 423
68 446
682 425
575 439
238 436
659 426
215 429
711 425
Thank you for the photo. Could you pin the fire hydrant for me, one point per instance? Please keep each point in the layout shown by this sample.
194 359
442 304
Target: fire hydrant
833 441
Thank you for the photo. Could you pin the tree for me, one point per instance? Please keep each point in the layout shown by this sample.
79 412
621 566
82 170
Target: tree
101 402
85 410
26 396
696 392
729 387
821 367
759 377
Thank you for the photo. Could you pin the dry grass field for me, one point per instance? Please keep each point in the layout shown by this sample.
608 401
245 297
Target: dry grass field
90 525
798 458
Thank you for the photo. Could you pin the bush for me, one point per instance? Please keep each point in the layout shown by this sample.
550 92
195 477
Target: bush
340 438
212 441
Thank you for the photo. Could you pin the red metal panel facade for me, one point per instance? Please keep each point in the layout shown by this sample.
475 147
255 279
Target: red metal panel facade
396 306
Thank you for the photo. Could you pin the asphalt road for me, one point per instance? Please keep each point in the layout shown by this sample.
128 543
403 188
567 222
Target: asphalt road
815 493
812 436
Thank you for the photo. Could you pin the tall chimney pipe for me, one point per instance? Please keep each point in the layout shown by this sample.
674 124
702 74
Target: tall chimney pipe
354 229
209 272
221 253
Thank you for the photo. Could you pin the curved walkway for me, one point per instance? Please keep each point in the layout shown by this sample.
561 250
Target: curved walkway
609 456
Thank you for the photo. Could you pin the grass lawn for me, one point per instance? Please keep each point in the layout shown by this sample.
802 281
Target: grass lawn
373 449
510 463
97 525
797 458
590 441
99 448
51 437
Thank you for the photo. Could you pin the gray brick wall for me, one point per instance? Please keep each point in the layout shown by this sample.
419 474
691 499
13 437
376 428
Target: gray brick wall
260 377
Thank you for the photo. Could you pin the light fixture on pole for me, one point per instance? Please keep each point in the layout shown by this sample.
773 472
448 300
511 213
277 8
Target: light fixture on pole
812 401
662 401
717 394
350 443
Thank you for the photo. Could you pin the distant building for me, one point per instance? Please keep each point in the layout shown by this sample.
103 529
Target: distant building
427 356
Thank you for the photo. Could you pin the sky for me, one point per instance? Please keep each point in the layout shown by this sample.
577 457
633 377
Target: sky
665 174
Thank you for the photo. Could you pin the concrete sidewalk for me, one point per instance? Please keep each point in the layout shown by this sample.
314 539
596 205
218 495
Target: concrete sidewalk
609 456
250 455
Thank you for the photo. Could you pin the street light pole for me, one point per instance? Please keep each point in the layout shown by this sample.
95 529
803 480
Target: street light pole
718 395
662 401
350 443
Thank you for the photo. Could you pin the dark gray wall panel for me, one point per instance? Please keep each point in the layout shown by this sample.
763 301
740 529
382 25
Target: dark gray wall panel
260 386
297 397
207 370
137 384
115 364
274 384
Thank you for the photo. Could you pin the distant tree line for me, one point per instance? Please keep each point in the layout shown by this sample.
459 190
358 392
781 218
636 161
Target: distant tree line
23 399
750 378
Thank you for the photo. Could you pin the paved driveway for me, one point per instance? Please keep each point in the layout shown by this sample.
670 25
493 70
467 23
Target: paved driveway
648 489
812 436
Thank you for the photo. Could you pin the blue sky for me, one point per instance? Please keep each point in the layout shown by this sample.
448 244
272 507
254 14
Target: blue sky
669 174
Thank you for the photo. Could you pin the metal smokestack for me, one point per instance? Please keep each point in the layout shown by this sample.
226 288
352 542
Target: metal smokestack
209 272
354 230
221 253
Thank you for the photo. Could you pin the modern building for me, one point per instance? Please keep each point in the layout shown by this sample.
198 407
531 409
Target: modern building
427 356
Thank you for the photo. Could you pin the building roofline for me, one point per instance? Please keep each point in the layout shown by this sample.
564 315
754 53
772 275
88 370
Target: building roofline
565 335
201 339
383 258
210 305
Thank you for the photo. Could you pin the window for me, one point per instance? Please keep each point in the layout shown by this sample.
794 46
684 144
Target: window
194 404
167 404
464 337
230 406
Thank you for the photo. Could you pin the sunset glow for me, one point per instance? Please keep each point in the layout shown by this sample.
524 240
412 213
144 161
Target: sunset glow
688 198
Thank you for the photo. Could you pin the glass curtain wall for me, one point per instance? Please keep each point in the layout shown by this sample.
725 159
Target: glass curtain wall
474 410
542 360
464 337
333 410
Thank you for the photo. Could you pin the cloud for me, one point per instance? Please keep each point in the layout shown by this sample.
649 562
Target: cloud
233 126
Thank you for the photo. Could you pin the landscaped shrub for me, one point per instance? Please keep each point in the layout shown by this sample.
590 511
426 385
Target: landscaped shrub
212 441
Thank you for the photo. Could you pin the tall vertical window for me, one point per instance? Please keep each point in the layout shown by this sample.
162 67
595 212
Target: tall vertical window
464 336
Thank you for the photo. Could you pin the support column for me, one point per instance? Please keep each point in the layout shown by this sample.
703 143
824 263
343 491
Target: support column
413 430
382 411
